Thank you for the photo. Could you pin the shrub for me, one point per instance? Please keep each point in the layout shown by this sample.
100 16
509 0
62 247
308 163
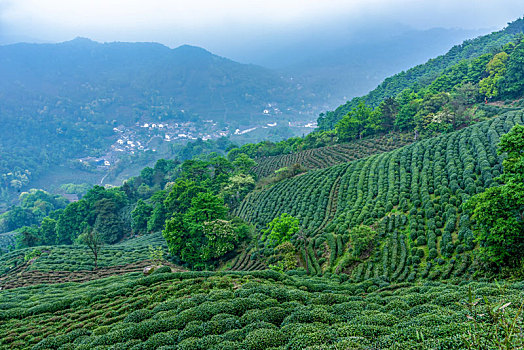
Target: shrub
260 339
162 269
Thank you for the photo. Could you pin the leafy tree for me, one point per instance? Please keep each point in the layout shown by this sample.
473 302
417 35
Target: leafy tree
16 218
513 145
147 175
499 211
356 122
496 68
181 194
207 207
108 223
513 82
388 111
94 241
72 222
179 240
243 163
409 107
203 235
28 237
361 239
220 238
157 219
140 215
236 189
280 229
348 128
48 231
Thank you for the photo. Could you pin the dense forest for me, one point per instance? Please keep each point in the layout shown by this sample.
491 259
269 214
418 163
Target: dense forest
388 229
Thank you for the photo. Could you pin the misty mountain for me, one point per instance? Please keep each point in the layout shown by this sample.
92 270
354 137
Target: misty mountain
359 63
141 75
64 104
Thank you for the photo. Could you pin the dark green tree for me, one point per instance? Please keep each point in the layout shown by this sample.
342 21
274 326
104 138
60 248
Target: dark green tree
140 215
498 212
207 207
48 231
108 223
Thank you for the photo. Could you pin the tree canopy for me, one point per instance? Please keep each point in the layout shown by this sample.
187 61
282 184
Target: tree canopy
499 211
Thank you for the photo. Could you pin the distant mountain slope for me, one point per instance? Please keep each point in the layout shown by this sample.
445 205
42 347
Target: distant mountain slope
361 62
61 102
139 75
424 74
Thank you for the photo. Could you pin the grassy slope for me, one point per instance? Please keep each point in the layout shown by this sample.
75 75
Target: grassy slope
412 192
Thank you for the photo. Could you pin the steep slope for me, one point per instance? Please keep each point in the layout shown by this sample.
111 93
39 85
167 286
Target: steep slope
424 74
412 196
323 157
360 62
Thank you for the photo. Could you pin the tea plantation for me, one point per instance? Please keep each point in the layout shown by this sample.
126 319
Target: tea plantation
412 197
255 310
323 157
56 264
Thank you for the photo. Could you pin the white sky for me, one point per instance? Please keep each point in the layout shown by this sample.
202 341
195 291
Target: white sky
219 23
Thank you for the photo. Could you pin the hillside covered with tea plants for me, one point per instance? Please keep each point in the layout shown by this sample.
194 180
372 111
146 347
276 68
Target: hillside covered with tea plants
255 310
398 226
411 198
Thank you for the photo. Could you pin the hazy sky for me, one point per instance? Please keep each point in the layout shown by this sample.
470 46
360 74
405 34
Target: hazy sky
219 24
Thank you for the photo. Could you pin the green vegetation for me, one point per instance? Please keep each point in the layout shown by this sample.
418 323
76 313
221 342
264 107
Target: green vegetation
498 212
256 310
34 206
412 197
280 230
78 258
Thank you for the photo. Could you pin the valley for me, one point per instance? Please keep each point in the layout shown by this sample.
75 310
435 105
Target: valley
395 221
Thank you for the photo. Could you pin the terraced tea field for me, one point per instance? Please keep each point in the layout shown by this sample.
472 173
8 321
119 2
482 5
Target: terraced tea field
252 310
323 157
412 197
55 264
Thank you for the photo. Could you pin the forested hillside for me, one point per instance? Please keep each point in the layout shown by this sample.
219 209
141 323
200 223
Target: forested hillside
423 75
73 100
